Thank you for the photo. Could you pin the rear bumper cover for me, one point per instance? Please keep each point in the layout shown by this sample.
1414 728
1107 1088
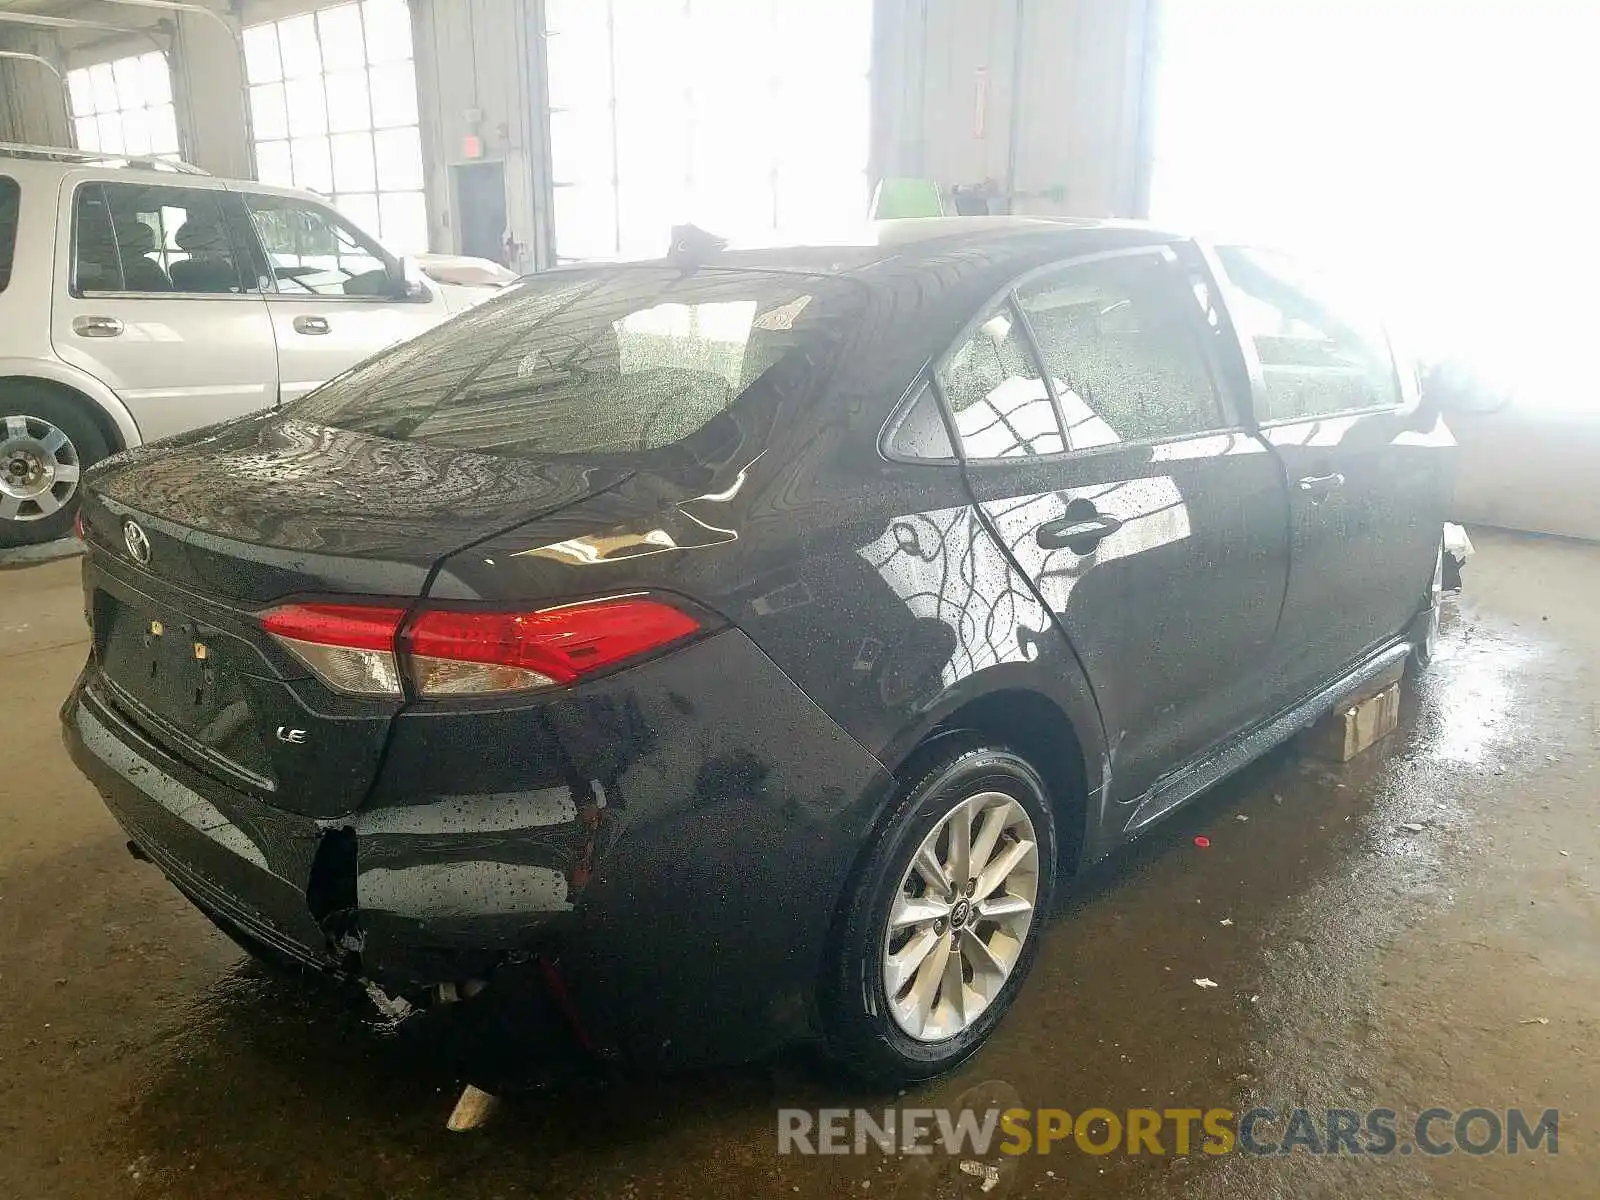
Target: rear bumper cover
683 861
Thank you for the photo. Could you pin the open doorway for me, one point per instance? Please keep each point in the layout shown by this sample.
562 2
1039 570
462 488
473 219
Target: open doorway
481 210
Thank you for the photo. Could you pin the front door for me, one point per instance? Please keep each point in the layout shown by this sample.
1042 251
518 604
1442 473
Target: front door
1155 528
156 303
336 296
1366 474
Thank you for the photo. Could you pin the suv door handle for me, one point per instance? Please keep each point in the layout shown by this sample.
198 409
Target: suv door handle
312 325
1077 532
96 326
1320 485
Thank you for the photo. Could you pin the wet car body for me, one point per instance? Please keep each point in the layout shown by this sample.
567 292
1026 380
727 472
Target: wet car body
675 837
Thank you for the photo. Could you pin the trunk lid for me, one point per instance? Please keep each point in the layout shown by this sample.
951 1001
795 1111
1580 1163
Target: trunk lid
191 540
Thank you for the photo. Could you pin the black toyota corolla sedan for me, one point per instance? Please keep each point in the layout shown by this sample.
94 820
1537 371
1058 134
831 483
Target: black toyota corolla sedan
746 643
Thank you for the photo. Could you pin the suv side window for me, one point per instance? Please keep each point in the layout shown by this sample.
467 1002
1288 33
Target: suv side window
1319 355
996 394
10 209
314 252
134 237
1121 339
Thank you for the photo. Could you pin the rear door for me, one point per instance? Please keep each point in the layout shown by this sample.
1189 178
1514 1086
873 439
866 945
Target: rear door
153 298
1125 486
335 295
1368 474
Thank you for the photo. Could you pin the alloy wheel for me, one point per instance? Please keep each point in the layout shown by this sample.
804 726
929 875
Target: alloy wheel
39 469
961 916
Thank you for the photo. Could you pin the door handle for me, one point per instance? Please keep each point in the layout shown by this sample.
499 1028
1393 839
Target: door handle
1320 485
312 325
96 326
1079 533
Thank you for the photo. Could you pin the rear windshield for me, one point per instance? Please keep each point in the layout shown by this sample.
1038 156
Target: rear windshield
616 361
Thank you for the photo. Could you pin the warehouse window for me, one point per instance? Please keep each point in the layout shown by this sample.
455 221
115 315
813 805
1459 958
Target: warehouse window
125 107
749 118
333 105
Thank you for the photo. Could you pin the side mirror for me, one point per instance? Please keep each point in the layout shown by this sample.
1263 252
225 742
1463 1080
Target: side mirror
1453 387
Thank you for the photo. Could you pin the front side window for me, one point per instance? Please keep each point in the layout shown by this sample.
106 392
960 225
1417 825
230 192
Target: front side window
10 208
1119 338
312 252
132 237
1320 354
125 107
996 394
611 364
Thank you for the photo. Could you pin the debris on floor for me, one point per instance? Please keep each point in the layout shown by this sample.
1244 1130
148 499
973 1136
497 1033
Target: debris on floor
984 1171
472 1111
392 1009
1205 983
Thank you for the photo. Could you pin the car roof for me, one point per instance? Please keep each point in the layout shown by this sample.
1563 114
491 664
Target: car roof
905 243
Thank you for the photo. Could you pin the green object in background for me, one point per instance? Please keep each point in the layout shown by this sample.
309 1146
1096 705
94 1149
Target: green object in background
906 198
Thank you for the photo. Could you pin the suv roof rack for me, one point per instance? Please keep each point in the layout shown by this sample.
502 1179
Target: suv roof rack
65 154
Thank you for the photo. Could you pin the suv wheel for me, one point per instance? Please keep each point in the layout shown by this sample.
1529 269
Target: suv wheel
944 922
46 443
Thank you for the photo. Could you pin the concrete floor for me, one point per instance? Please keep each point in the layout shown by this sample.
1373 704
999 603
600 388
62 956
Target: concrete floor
141 1055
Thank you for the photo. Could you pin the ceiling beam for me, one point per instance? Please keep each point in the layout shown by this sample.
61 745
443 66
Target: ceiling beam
47 22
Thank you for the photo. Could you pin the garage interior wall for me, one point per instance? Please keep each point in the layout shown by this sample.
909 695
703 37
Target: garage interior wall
1042 102
947 79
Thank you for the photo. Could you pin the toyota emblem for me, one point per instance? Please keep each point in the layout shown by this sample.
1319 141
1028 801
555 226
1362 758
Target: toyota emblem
137 541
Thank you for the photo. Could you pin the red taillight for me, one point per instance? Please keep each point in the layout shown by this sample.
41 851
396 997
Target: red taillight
446 652
454 651
352 626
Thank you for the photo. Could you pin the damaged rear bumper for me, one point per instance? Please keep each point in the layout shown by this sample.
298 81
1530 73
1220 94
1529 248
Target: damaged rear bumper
683 866
260 869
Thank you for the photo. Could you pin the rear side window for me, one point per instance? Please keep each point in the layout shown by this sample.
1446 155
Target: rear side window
10 206
1120 338
1320 353
132 237
618 361
920 431
996 394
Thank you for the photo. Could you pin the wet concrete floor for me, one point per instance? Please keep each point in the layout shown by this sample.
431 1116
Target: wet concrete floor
1366 965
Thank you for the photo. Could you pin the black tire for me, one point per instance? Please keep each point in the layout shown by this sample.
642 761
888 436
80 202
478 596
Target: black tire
87 446
860 1029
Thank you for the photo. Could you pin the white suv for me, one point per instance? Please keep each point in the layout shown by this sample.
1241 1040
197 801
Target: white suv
140 298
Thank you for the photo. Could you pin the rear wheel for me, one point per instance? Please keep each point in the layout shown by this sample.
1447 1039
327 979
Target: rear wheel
46 442
943 925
